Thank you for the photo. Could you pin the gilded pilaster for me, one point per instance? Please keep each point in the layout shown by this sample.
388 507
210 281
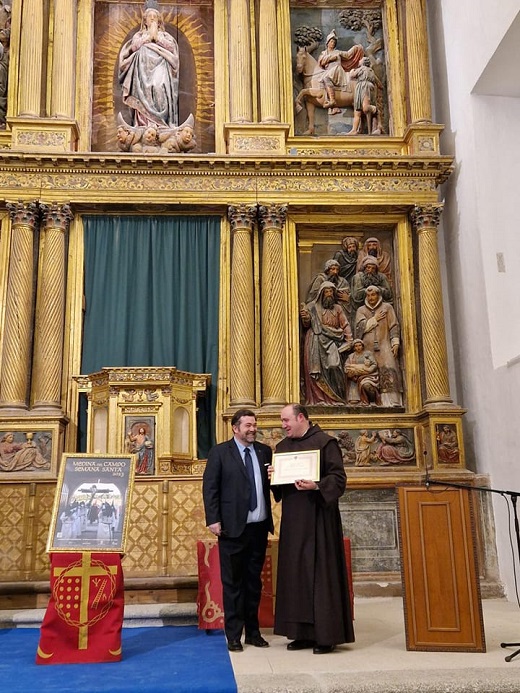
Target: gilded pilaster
63 59
16 364
274 321
240 71
242 341
426 220
269 79
31 59
418 63
50 308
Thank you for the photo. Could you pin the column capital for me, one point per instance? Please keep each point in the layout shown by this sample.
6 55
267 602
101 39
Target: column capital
56 216
426 216
272 216
242 216
24 213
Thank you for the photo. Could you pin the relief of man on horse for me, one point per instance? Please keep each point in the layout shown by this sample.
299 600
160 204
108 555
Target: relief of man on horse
327 82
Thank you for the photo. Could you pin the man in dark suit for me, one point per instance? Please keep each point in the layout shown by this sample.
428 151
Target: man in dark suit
238 511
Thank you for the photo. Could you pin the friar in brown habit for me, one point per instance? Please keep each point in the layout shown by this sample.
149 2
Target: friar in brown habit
312 594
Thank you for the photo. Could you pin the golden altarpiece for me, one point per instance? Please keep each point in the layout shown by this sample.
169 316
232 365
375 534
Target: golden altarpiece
306 128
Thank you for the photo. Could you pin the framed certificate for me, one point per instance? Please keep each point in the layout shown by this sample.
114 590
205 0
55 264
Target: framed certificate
290 466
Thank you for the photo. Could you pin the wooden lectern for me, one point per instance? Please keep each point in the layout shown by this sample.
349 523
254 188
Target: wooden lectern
442 606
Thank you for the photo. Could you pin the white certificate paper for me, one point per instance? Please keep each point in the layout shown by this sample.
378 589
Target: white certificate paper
290 466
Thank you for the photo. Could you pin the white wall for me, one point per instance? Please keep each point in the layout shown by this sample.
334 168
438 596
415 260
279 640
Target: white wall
471 46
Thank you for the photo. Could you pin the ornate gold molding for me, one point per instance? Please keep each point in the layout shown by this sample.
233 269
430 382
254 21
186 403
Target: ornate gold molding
268 138
95 179
43 135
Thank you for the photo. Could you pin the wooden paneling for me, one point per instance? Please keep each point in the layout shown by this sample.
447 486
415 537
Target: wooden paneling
442 604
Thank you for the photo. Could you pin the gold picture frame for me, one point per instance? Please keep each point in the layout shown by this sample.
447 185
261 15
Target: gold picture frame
92 502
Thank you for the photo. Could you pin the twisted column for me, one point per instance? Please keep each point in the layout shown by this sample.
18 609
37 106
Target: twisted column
19 310
63 59
419 89
50 309
426 220
240 71
269 76
242 337
31 59
273 316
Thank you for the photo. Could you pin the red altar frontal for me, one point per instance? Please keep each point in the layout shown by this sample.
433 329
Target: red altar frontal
209 597
84 617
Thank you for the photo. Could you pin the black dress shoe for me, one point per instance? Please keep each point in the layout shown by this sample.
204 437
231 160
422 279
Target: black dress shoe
256 641
323 649
234 646
300 645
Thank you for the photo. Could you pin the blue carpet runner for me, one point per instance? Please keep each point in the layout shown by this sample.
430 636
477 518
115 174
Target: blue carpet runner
180 659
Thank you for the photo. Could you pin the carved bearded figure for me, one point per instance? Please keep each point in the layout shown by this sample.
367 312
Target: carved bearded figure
327 334
378 327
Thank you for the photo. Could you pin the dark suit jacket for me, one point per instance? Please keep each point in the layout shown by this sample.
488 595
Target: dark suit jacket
225 487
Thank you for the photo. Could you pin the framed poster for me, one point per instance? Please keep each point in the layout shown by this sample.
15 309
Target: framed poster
91 506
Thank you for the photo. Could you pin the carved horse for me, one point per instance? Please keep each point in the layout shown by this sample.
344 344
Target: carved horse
313 94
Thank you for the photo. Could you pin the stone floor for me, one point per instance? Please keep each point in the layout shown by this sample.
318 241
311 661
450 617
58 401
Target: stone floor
377 662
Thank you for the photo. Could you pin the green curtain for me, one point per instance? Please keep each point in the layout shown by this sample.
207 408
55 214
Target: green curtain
151 298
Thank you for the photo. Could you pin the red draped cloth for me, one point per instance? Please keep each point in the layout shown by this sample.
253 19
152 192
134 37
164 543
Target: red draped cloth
209 597
84 617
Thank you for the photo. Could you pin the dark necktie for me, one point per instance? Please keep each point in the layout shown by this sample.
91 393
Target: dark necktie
253 502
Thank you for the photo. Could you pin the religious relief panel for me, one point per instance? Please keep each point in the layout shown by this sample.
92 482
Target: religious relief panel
153 77
374 448
29 451
388 447
339 65
448 443
351 339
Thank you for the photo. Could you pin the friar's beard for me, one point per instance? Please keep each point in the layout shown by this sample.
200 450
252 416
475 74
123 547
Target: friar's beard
328 301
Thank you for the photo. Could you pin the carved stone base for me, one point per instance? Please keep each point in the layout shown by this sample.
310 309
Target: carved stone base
39 134
255 138
423 139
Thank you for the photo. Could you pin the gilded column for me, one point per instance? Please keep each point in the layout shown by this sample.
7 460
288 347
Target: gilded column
19 310
242 337
417 61
50 309
426 220
273 316
63 59
31 59
269 78
240 71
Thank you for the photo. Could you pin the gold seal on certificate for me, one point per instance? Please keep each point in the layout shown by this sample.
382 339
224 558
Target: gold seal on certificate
290 466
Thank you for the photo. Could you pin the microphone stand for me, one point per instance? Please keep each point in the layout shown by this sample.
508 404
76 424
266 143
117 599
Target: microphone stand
514 497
